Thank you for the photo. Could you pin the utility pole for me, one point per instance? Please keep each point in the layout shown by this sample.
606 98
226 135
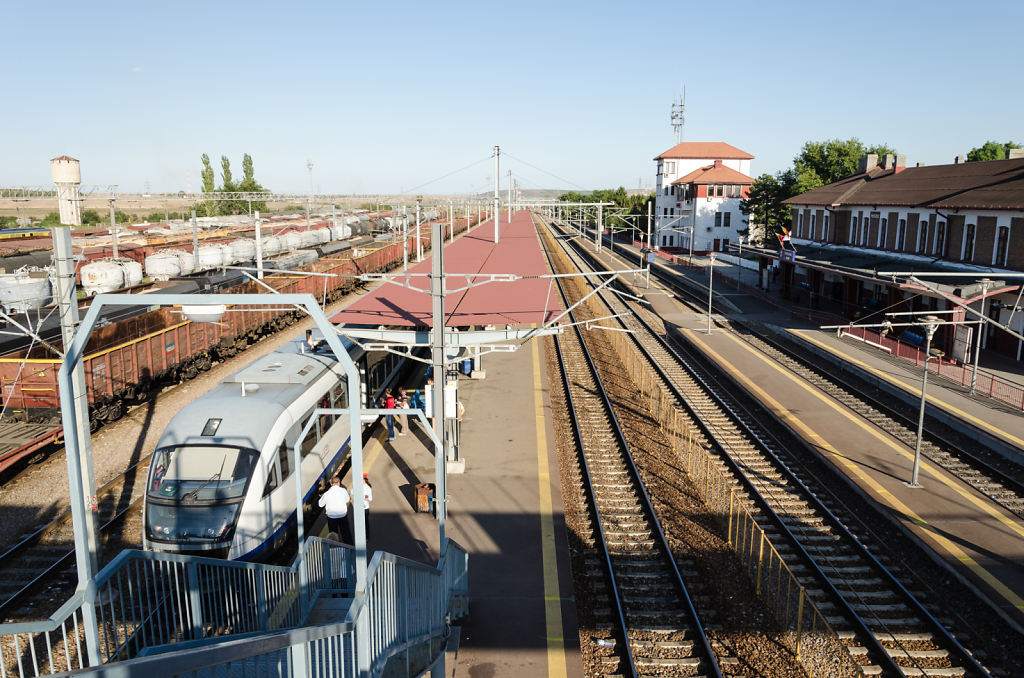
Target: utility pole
259 244
510 196
419 248
931 324
599 228
67 176
497 214
648 254
985 282
195 243
451 219
113 228
440 375
711 282
309 203
405 238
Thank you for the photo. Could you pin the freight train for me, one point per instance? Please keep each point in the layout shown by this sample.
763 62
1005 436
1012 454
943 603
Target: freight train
133 353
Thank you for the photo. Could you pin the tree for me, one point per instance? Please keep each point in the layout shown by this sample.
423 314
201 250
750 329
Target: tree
206 209
763 204
249 183
990 150
823 162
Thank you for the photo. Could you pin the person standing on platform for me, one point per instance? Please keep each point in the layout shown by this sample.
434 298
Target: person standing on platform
334 502
428 401
389 419
367 498
402 402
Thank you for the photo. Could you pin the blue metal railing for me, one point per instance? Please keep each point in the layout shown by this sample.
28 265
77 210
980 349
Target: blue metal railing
151 602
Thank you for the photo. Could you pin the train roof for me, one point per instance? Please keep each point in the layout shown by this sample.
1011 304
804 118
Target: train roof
269 384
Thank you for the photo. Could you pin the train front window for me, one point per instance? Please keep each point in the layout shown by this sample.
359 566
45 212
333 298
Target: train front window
191 474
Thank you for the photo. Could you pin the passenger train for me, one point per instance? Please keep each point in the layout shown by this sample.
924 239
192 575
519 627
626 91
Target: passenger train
220 482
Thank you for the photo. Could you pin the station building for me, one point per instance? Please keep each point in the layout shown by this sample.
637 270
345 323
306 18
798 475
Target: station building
698 191
963 217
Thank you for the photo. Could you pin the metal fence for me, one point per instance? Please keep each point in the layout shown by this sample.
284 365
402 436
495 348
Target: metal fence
147 601
805 630
986 383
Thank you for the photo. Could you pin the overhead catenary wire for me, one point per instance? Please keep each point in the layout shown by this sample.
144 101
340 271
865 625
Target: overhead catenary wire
550 174
445 176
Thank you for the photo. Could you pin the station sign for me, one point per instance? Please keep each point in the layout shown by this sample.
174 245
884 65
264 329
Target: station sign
787 255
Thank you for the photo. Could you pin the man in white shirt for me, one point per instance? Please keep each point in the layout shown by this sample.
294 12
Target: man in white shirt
335 504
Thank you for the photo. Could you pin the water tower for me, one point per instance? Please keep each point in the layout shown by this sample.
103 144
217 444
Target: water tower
67 175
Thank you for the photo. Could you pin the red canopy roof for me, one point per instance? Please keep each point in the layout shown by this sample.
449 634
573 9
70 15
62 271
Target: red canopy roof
520 302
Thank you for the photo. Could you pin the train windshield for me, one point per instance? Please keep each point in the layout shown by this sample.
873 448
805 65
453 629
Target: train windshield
195 491
193 474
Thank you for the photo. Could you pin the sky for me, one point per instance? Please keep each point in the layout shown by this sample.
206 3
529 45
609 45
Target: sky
411 97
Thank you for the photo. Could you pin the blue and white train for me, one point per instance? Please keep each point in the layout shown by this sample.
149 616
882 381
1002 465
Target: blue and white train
220 483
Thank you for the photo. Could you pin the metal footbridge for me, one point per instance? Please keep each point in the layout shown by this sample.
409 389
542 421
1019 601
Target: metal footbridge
152 612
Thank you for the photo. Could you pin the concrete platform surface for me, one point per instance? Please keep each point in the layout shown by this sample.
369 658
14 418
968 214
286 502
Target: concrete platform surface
506 510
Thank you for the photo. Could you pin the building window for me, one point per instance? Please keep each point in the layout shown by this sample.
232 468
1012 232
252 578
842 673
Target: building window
901 235
728 218
922 237
799 223
853 230
1002 245
718 219
736 191
670 168
814 224
824 229
666 190
940 239
968 243
883 233
671 211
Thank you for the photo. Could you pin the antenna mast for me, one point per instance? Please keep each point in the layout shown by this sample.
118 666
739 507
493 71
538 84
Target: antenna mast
678 109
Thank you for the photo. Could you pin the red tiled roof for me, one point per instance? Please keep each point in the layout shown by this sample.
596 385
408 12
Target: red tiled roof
715 175
519 302
710 150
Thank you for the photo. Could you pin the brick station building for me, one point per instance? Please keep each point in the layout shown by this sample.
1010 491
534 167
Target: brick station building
963 217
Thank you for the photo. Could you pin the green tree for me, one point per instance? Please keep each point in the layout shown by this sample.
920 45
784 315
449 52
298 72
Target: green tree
823 162
226 182
249 183
990 150
91 217
206 209
763 204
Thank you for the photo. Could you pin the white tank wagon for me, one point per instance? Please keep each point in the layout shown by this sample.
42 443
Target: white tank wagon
209 257
108 275
291 241
322 235
163 265
340 232
228 255
307 239
243 249
221 480
25 289
271 246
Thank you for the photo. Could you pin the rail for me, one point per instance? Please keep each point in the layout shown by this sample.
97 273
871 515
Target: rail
709 663
987 384
146 602
806 632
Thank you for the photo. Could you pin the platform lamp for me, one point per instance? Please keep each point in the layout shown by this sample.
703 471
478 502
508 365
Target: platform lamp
931 323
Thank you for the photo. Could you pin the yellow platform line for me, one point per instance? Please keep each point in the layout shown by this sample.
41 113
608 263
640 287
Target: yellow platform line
916 391
549 556
941 542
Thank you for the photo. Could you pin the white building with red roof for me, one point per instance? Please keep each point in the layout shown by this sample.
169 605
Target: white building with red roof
699 188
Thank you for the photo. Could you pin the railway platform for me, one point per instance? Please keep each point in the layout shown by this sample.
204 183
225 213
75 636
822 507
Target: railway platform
982 541
506 510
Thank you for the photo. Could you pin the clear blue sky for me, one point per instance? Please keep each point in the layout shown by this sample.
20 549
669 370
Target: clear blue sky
386 96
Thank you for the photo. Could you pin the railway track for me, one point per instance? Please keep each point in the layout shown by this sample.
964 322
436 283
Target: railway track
963 456
966 458
655 628
41 565
886 628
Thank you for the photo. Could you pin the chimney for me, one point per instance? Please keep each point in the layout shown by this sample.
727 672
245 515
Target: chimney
920 164
959 160
888 161
718 163
868 162
901 163
1014 153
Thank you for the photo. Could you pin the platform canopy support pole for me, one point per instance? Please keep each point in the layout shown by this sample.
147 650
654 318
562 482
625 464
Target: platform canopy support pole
440 374
195 242
497 213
